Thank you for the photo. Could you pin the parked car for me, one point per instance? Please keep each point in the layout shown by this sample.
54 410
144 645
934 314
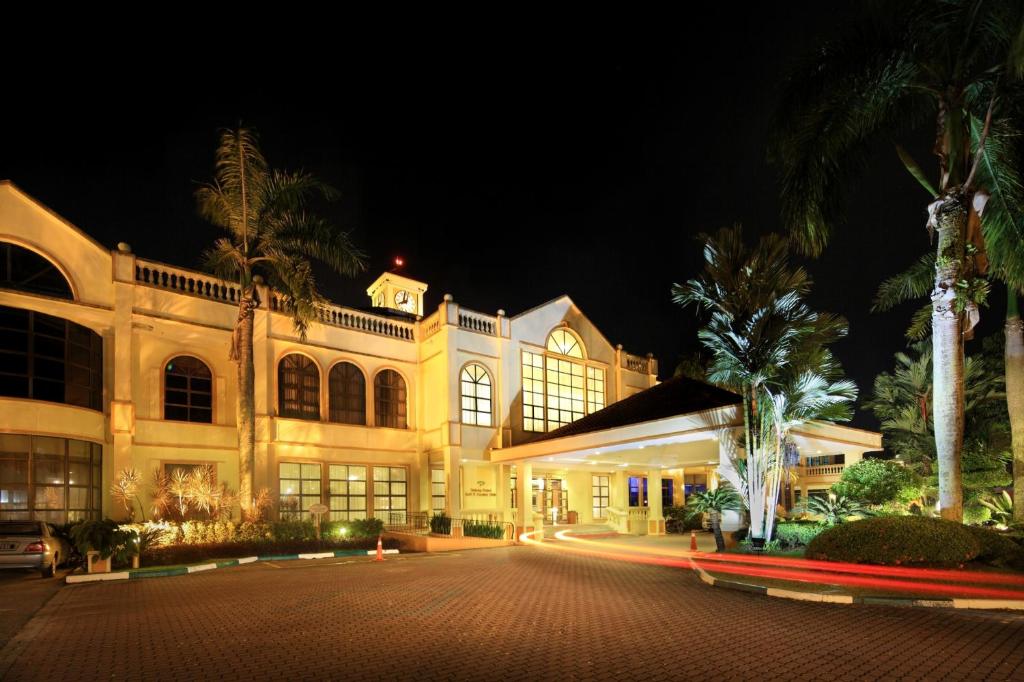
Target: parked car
32 544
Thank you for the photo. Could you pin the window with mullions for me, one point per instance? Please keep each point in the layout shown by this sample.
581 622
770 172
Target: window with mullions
437 495
298 387
595 389
564 392
564 343
476 396
389 399
389 494
46 358
25 270
347 394
533 391
188 390
347 490
600 490
299 488
56 480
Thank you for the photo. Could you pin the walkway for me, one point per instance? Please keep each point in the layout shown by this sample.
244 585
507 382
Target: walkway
513 613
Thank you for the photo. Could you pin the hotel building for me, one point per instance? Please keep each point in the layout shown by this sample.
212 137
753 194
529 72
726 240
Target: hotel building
109 361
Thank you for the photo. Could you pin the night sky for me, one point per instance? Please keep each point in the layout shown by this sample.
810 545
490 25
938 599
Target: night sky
507 166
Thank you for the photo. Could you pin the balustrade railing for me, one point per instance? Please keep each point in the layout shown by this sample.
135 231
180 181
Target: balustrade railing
430 325
477 322
336 316
471 525
824 470
636 363
186 282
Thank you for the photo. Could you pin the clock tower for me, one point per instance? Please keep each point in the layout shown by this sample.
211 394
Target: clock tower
397 292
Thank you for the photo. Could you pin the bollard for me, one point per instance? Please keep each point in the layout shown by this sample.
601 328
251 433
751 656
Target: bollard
693 541
380 549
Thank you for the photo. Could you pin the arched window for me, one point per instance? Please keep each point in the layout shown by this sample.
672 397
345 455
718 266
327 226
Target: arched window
476 396
346 394
389 399
298 387
25 270
188 390
564 343
559 386
46 358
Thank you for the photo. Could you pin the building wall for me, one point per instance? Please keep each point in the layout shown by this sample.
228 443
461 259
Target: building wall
148 313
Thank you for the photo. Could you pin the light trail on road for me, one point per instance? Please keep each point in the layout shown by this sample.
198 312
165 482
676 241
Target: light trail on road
888 578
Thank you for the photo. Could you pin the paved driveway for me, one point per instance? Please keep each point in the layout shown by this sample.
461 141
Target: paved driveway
514 613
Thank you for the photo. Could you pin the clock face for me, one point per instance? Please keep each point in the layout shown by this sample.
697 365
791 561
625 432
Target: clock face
405 302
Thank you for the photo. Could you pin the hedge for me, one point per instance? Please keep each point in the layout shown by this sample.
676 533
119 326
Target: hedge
168 555
997 549
797 534
897 540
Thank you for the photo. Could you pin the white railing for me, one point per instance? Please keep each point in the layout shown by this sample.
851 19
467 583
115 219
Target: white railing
825 470
336 316
635 363
184 281
478 322
430 325
638 520
617 519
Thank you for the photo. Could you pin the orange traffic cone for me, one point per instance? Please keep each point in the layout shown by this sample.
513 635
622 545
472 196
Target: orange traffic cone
380 549
693 541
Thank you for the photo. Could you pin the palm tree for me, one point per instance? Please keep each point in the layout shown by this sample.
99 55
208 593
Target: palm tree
713 503
770 347
958 64
271 234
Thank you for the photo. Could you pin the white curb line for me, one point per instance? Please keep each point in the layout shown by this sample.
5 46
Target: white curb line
371 552
96 577
201 567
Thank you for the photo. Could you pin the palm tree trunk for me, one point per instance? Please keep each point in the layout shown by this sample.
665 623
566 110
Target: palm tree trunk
1014 331
716 528
242 349
947 354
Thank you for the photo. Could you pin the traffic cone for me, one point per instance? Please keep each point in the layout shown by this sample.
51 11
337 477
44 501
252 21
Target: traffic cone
380 549
693 541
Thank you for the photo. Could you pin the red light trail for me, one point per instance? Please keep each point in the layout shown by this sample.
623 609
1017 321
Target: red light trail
888 578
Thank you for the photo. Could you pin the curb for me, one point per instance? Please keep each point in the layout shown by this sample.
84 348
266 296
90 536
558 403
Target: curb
952 603
142 574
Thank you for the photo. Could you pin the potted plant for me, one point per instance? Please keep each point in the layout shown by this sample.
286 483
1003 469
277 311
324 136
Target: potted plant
102 543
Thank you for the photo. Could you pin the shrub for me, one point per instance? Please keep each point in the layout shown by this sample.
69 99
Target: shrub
896 540
679 520
441 524
874 481
283 531
475 529
353 530
189 554
997 549
976 514
797 534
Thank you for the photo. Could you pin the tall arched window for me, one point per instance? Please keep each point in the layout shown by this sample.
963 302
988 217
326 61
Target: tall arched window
25 270
560 386
188 390
298 387
389 399
346 394
476 396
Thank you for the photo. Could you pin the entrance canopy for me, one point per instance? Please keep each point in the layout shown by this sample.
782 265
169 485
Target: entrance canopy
676 424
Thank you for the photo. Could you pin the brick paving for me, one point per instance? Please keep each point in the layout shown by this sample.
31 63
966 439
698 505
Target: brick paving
517 613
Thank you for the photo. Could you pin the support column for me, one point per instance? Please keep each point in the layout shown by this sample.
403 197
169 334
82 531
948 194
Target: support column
730 520
453 481
655 515
524 495
679 494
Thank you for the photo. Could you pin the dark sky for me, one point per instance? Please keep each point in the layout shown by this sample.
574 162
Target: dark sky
507 166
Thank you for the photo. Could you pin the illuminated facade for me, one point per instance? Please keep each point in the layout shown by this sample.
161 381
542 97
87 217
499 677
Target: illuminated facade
109 361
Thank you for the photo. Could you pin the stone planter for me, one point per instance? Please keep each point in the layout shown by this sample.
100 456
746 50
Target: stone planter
95 564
